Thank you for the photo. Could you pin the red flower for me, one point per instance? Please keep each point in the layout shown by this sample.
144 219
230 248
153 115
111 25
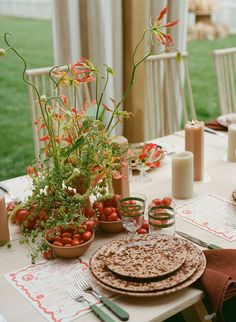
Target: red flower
45 138
171 24
162 13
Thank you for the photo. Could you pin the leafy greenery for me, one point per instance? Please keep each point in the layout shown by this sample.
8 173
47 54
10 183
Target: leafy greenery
16 151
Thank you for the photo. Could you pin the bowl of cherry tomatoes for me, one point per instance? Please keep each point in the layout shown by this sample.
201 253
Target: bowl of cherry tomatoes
108 215
69 243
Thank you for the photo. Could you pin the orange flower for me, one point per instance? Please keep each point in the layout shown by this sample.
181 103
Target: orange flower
45 138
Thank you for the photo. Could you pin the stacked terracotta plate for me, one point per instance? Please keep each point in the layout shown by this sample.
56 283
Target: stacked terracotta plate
147 265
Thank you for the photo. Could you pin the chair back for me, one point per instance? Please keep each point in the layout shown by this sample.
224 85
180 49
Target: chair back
225 64
39 77
167 83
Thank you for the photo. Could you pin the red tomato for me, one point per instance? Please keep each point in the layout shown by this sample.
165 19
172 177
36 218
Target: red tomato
31 221
76 236
75 242
22 215
142 231
102 217
66 235
115 200
66 240
113 217
157 202
90 224
166 201
87 235
57 238
98 205
57 243
43 215
108 211
89 212
48 254
145 225
67 245
82 241
108 203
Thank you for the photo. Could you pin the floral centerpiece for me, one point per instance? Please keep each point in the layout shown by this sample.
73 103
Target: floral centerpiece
79 158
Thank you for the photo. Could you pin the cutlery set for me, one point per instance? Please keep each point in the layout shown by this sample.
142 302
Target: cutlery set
78 293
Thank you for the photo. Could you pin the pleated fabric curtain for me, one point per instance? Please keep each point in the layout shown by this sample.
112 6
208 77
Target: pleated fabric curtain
107 31
91 29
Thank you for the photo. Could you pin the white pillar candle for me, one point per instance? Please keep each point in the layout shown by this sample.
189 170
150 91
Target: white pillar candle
231 143
4 229
194 142
182 175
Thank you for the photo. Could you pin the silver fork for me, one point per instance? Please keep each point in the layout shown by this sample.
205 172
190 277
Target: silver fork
78 296
84 286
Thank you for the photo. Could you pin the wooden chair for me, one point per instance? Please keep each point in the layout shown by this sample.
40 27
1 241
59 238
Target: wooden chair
39 78
225 64
166 84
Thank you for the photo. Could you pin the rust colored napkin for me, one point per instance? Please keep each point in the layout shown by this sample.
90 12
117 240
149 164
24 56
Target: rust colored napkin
214 125
219 278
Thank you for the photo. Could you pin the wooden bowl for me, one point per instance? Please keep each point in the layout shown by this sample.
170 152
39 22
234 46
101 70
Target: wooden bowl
68 252
111 226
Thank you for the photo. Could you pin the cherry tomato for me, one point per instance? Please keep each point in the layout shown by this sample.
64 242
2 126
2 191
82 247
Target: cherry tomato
113 217
76 236
57 238
108 211
22 215
89 212
108 203
66 240
166 201
48 254
75 242
157 202
87 235
66 235
90 224
98 205
103 217
82 241
142 231
145 225
57 243
67 245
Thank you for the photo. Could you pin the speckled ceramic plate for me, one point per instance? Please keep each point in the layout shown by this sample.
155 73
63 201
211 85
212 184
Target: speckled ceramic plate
193 278
147 259
165 284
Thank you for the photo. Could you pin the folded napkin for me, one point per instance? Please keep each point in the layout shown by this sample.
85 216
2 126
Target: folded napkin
219 278
214 125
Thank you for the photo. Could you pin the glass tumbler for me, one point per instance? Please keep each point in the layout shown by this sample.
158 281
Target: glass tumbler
132 211
161 220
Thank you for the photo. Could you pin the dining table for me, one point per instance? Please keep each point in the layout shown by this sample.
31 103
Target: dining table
219 179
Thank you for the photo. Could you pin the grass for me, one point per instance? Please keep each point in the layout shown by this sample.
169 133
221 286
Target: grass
34 39
203 77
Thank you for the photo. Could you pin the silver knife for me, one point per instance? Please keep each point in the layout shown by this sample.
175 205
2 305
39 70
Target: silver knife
207 129
197 241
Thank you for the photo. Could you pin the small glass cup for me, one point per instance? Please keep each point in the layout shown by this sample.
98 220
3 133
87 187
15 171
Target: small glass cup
161 220
132 211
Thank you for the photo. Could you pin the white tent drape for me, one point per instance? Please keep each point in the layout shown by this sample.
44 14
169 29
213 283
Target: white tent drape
96 30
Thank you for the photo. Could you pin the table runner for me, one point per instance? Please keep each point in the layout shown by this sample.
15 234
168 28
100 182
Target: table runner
44 285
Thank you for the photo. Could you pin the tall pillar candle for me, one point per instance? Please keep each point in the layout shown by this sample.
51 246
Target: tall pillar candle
194 142
231 143
121 186
182 175
4 229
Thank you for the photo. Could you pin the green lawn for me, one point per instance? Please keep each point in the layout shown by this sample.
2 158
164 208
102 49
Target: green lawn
203 77
34 39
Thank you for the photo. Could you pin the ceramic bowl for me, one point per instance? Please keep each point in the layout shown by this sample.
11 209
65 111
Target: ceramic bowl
68 252
111 226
